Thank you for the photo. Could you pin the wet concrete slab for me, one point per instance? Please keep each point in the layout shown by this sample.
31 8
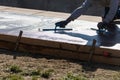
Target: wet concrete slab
31 25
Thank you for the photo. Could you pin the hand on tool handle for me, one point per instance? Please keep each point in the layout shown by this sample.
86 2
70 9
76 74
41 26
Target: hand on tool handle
62 24
102 25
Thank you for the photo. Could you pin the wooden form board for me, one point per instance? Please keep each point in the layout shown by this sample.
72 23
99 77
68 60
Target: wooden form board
60 49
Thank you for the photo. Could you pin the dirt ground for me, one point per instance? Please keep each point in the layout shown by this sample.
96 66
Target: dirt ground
32 67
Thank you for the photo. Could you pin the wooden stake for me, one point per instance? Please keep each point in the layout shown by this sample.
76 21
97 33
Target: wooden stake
92 50
17 43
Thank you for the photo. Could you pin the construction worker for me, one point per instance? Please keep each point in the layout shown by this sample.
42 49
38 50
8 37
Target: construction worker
112 12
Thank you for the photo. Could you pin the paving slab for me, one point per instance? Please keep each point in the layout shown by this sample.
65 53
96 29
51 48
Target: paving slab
47 13
4 7
21 10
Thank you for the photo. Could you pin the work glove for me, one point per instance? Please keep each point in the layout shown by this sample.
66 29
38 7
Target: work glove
61 24
103 25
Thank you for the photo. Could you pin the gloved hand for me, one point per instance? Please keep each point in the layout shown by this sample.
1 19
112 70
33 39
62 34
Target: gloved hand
103 25
61 24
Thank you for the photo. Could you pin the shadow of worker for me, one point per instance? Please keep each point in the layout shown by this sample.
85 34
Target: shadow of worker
108 39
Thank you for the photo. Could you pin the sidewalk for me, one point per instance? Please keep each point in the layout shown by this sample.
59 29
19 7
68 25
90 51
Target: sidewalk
46 13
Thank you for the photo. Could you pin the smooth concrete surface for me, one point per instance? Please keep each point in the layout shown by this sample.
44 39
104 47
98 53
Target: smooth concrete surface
46 13
31 22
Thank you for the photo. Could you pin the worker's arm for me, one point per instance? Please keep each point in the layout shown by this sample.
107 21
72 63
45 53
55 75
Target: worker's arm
80 10
112 12
75 14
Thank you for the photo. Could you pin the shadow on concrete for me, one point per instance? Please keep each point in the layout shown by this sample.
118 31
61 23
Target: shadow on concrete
108 39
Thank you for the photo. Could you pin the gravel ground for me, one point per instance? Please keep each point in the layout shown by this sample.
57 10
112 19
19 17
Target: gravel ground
33 67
